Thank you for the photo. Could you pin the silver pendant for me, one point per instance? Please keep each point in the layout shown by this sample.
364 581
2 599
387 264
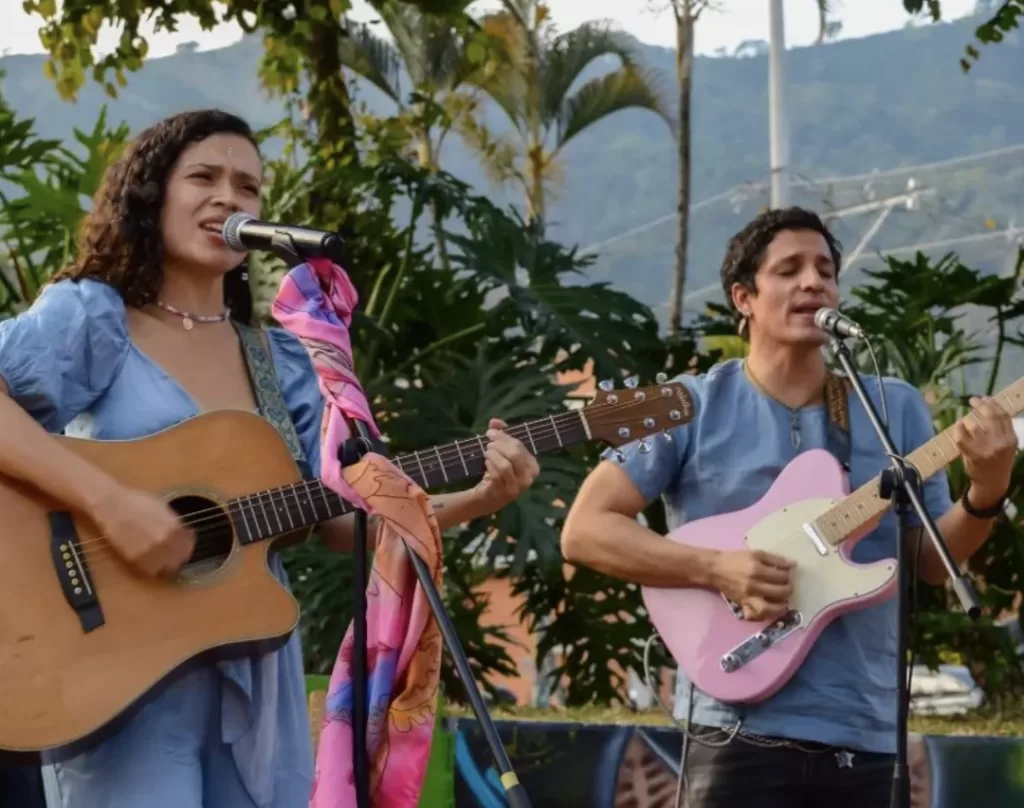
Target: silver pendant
844 759
187 323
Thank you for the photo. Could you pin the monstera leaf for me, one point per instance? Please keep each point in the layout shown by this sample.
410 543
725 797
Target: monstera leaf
540 285
453 398
41 218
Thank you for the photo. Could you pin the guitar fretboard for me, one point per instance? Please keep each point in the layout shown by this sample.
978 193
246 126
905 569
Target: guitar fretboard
267 514
863 505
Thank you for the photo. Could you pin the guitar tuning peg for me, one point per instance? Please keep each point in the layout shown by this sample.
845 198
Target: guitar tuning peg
667 436
632 381
661 378
619 456
606 385
644 447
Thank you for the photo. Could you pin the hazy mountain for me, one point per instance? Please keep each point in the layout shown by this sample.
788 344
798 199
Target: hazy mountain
879 103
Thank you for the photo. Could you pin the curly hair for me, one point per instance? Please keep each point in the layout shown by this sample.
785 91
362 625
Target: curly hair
120 240
746 250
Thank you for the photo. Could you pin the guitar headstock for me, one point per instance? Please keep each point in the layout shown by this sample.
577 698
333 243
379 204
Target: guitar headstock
620 416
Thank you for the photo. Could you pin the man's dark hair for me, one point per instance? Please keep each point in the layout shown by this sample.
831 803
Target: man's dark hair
746 249
120 240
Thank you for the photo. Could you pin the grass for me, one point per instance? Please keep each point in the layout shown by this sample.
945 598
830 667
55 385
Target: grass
980 722
986 721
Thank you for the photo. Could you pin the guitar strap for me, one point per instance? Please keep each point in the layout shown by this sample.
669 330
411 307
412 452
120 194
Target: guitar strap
837 400
267 388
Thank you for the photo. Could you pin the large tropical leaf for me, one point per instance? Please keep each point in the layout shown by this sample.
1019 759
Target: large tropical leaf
538 284
40 218
455 396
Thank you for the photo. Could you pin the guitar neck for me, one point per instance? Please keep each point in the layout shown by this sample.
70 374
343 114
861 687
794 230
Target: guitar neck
267 514
863 505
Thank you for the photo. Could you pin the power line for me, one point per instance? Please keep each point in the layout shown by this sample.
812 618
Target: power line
805 182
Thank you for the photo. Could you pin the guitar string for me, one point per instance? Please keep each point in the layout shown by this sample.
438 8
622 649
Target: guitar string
322 493
256 504
229 515
428 466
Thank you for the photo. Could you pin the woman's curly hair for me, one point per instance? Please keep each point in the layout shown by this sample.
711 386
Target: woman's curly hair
120 240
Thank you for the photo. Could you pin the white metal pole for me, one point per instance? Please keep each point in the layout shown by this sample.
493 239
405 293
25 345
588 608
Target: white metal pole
777 107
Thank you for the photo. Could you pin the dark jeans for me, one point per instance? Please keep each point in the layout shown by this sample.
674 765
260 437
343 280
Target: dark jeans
744 775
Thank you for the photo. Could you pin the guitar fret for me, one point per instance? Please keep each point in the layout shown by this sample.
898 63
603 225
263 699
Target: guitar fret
529 437
462 458
554 426
266 519
275 511
298 502
250 536
423 474
440 461
287 510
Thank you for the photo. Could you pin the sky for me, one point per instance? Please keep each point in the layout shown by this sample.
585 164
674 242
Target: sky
648 20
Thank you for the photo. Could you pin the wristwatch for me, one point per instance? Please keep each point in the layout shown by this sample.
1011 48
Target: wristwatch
983 513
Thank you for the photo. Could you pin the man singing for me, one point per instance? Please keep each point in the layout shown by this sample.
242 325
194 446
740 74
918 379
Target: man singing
828 737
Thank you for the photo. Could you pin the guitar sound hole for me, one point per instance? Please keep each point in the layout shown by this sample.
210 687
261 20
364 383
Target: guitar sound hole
214 534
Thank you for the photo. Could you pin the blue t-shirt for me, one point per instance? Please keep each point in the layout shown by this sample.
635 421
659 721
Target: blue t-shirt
725 460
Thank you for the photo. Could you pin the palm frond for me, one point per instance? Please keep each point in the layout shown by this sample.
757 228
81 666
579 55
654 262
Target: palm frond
627 88
374 59
498 155
569 54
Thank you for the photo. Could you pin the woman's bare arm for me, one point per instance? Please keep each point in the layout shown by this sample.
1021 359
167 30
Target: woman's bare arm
30 454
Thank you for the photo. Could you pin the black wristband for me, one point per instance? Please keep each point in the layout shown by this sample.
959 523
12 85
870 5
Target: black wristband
983 513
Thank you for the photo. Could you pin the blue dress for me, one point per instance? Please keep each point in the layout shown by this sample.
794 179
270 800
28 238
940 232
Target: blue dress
227 735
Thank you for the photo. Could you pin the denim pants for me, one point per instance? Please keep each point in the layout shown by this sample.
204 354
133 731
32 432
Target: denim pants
745 774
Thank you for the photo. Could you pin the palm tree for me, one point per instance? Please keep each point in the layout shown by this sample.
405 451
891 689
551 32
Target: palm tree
687 13
433 51
532 84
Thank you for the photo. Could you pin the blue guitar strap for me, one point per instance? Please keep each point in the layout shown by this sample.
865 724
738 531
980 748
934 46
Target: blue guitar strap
265 385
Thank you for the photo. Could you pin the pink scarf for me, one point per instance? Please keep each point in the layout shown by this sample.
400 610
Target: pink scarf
315 303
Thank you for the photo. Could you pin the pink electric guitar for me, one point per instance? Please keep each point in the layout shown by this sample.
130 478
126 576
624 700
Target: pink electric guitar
808 517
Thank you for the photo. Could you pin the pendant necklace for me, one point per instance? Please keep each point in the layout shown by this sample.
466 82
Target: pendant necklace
189 320
794 412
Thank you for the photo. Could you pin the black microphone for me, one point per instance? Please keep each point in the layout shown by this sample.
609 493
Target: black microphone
243 232
837 325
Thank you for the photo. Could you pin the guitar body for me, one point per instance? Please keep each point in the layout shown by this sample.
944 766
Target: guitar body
60 684
699 626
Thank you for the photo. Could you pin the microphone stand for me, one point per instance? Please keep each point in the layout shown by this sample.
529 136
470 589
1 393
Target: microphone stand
901 485
351 452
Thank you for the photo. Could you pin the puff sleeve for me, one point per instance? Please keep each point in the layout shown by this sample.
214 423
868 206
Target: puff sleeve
58 357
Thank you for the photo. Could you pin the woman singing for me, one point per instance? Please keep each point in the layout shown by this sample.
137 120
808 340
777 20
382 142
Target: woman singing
133 337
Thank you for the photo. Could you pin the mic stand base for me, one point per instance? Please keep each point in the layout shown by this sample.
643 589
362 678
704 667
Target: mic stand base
515 794
901 485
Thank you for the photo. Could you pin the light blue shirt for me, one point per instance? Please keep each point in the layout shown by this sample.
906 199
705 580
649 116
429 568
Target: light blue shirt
70 362
725 460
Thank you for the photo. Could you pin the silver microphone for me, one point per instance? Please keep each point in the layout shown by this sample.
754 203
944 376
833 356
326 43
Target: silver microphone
837 325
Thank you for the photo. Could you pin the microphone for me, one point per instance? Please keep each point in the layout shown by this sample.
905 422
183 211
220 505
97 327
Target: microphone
243 232
837 325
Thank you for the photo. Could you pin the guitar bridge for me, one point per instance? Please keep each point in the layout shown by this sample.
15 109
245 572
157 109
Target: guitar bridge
757 644
73 571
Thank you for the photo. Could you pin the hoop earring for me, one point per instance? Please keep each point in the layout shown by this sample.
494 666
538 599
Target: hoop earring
743 327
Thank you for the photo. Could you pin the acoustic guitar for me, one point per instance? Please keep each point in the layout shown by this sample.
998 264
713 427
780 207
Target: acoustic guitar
83 636
808 516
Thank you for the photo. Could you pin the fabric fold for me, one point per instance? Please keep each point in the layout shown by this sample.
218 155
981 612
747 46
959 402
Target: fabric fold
315 303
